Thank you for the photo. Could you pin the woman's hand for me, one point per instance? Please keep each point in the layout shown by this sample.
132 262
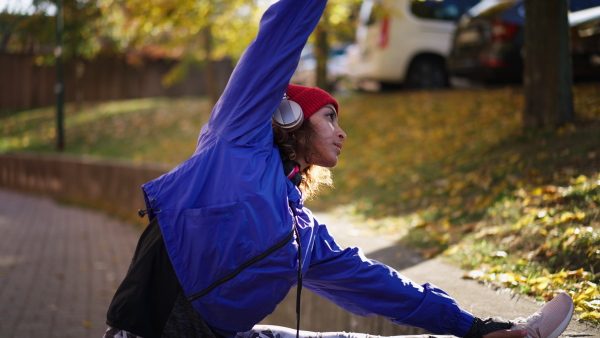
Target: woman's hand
506 334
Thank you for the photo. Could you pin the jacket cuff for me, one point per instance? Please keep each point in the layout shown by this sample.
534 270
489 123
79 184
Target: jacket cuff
464 324
440 314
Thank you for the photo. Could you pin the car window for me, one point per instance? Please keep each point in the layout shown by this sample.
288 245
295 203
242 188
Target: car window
577 5
447 10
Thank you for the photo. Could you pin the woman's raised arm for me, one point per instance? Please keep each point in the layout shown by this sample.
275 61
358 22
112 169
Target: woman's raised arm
242 114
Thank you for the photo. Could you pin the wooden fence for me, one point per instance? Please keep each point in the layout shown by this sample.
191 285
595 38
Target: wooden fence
23 84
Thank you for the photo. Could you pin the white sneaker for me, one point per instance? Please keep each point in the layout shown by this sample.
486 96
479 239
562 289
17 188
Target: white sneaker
549 321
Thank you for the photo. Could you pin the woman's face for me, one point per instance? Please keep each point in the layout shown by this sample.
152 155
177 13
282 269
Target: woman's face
327 143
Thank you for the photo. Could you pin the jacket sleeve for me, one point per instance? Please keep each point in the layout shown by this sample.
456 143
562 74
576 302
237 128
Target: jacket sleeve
366 287
257 85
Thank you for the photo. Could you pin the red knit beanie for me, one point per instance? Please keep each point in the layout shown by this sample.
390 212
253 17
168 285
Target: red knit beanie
310 99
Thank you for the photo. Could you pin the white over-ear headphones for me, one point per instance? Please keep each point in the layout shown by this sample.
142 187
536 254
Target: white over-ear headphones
288 115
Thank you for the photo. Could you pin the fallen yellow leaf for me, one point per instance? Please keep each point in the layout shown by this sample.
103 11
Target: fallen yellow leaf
589 315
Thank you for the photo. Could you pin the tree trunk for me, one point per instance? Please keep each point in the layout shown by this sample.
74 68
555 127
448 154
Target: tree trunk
547 76
322 52
209 67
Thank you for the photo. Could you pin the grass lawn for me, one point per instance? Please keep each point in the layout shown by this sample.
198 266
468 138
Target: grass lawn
450 171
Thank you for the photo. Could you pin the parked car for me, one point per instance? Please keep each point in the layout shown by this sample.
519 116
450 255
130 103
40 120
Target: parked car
305 74
404 42
488 42
585 43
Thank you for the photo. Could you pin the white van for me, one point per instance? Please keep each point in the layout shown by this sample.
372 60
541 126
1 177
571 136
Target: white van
404 42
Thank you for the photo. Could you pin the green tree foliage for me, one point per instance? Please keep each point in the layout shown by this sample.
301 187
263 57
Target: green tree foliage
175 26
21 33
200 32
35 33
196 32
341 19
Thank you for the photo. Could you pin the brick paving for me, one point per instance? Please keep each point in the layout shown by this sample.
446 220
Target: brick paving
59 267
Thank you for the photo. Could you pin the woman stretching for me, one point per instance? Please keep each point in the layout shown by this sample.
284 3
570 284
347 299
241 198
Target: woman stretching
229 235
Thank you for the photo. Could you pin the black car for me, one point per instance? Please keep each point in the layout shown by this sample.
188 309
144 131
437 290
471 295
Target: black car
488 42
585 43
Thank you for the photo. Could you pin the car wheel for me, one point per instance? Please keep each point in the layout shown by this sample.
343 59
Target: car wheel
427 73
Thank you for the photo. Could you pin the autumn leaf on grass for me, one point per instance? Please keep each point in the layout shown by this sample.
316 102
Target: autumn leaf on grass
594 304
579 179
595 315
539 283
569 216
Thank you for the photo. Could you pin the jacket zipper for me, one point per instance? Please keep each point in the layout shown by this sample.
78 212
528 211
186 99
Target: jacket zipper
235 272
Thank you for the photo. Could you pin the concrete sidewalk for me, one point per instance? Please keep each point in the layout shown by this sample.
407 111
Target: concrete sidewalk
60 265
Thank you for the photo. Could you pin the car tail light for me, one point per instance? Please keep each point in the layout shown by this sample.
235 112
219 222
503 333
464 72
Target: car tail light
384 35
503 31
495 63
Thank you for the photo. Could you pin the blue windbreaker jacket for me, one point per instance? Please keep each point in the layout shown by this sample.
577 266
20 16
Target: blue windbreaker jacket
226 213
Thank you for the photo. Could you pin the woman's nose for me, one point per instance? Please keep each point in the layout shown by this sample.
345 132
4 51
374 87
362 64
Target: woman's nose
341 134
